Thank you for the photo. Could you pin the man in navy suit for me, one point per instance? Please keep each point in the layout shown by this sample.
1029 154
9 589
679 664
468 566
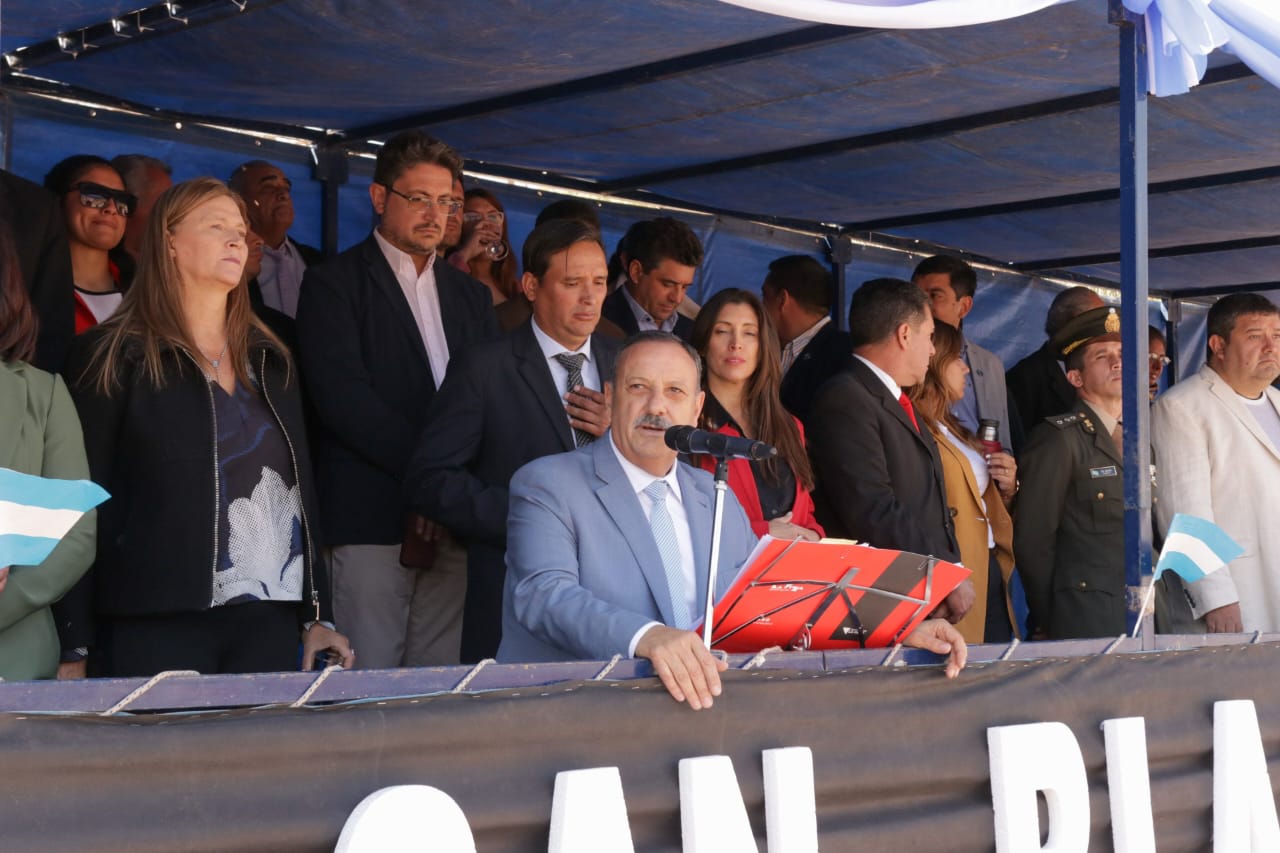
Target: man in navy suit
377 326
608 546
798 294
663 257
510 401
878 471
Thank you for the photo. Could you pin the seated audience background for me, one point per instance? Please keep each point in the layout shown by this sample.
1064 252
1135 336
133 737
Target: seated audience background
739 350
979 486
95 207
39 434
194 414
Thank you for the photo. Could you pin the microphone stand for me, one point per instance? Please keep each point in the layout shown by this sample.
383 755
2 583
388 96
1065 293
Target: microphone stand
722 483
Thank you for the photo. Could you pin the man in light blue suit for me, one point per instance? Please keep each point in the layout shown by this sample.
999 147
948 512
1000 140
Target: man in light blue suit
607 545
594 566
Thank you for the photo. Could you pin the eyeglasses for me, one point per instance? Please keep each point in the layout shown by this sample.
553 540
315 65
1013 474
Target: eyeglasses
450 204
97 196
1156 358
494 216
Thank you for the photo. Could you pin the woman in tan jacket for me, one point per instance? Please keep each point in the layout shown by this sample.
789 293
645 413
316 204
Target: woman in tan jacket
979 486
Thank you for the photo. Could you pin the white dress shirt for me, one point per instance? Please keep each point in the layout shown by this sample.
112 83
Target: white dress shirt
644 320
424 301
280 278
640 480
895 390
559 373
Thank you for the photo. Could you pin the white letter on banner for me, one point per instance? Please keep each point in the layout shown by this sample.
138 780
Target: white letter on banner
406 818
790 810
1129 785
1038 757
1244 811
588 813
712 815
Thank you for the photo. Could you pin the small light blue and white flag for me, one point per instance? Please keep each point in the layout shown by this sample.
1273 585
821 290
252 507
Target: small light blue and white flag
35 513
1195 548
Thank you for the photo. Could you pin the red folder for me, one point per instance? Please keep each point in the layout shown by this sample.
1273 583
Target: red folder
832 594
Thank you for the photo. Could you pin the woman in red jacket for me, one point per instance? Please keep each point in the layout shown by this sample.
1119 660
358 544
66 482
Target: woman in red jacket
743 372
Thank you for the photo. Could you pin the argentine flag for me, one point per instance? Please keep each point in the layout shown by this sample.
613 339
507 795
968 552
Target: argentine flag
35 513
1195 548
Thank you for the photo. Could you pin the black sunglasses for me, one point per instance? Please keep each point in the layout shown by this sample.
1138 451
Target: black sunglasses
96 196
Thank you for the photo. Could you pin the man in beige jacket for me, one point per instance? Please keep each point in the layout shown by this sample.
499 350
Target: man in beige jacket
1217 445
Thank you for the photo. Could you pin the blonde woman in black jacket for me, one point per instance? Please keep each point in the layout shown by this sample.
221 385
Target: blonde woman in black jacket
208 558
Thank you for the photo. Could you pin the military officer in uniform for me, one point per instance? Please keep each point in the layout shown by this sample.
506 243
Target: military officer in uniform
1069 526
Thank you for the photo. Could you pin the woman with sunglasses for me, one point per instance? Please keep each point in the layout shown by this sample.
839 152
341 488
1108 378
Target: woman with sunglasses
979 486
95 206
741 374
485 248
40 435
208 558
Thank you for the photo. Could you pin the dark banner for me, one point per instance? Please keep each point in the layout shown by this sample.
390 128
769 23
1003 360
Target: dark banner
900 755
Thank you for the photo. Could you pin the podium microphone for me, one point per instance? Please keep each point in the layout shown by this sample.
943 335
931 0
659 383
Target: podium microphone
687 439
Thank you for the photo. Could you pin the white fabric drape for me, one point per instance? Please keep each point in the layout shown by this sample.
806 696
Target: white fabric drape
899 14
1182 33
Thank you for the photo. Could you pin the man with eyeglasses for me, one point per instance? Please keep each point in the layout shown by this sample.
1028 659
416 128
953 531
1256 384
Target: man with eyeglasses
377 327
1159 360
268 196
453 226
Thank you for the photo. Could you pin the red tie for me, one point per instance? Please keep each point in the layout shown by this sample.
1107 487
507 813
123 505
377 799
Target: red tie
905 402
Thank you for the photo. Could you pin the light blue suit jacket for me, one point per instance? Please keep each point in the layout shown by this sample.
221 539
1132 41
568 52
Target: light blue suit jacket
583 570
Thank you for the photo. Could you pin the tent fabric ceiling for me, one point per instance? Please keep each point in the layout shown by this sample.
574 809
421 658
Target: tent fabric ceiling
752 113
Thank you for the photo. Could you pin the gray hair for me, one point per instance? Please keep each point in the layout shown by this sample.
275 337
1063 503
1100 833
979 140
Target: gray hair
237 179
652 336
133 170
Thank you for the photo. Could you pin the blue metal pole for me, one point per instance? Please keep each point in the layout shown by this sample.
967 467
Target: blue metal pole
332 171
840 252
1133 289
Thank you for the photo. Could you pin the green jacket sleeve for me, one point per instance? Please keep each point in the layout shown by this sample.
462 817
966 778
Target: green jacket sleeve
31 588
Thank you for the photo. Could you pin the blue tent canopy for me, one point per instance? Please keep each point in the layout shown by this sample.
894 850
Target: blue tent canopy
999 140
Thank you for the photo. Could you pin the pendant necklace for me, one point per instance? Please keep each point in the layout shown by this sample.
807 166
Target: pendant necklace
216 362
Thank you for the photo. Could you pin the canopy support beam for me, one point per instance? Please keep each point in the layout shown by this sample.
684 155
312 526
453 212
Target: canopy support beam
1201 182
1240 245
615 81
331 170
929 130
1135 411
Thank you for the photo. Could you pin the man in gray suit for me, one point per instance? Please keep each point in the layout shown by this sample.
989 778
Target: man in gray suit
608 545
950 284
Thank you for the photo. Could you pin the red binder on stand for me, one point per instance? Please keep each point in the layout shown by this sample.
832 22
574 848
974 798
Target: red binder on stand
833 594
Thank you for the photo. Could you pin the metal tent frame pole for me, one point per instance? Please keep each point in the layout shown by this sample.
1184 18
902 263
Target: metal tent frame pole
1133 290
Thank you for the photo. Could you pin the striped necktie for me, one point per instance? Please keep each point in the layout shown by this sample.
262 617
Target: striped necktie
664 533
572 362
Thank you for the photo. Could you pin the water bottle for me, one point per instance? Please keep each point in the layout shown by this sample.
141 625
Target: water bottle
989 435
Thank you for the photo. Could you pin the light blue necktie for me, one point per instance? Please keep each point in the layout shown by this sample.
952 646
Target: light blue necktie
664 533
